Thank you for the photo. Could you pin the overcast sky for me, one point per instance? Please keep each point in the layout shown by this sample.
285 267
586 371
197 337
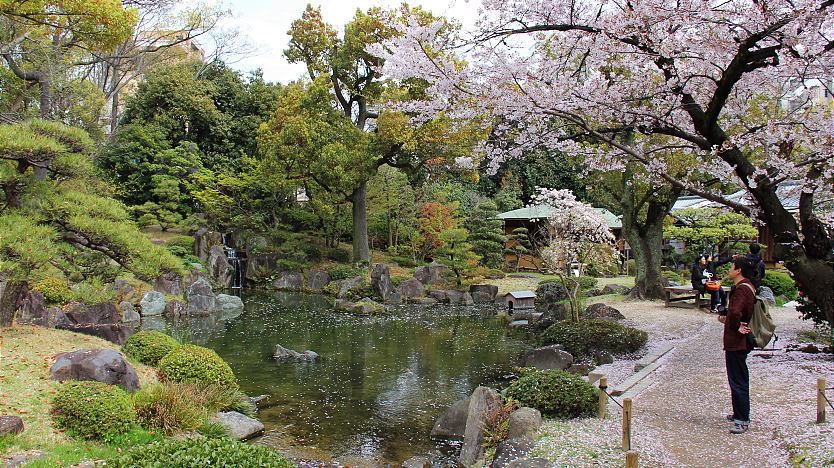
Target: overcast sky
266 22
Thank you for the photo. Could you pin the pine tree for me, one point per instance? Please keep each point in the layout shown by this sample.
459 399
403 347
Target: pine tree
456 253
519 245
487 234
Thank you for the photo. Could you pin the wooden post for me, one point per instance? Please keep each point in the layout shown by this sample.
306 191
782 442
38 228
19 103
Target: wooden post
603 396
627 424
820 400
631 459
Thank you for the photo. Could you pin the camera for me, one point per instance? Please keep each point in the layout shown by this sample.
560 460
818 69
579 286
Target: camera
721 310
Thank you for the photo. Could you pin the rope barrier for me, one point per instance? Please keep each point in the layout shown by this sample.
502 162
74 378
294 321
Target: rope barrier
828 401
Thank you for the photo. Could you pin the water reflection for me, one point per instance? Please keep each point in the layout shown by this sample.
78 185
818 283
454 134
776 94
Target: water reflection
380 383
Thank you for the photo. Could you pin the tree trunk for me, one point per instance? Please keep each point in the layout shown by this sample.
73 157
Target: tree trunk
45 98
114 112
10 293
361 251
647 249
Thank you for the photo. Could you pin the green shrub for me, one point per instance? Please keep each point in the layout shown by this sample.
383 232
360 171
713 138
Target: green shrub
178 250
186 242
496 273
337 255
586 336
406 262
92 410
555 393
284 264
93 291
631 265
196 365
148 347
781 283
340 272
198 453
397 280
586 283
54 289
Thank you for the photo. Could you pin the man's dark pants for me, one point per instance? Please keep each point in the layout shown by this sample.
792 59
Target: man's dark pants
739 378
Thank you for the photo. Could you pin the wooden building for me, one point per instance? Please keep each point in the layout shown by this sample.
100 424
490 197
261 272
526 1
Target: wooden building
518 300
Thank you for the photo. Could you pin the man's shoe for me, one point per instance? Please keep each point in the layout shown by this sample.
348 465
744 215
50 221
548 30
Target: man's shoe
731 418
739 427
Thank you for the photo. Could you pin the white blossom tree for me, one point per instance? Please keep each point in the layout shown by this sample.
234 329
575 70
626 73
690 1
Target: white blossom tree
575 232
739 86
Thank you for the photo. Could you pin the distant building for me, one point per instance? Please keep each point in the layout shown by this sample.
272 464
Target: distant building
518 300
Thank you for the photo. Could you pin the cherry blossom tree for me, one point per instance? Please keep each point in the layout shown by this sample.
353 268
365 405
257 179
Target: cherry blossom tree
737 86
575 231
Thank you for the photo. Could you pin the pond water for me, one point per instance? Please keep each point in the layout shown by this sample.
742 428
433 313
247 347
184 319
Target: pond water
380 383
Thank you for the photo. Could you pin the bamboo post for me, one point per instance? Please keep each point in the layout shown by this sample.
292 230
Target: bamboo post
631 459
820 400
627 424
603 396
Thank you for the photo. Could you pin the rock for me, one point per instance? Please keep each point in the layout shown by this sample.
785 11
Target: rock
430 274
80 313
615 289
550 315
230 303
548 357
511 450
204 240
593 292
426 301
22 458
348 286
33 311
260 266
439 295
483 400
412 288
10 425
152 303
175 309
459 298
116 333
129 313
284 354
317 280
219 267
200 298
124 290
582 368
519 324
394 298
551 293
169 283
601 311
417 462
10 293
483 293
102 365
603 357
343 305
524 423
367 306
767 294
452 423
381 280
237 425
531 463
810 349
289 281
257 399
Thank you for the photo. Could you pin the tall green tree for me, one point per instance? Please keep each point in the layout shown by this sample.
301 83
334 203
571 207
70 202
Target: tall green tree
456 252
711 230
519 245
486 233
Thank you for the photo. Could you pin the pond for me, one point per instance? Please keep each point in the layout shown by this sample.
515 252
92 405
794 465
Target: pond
380 383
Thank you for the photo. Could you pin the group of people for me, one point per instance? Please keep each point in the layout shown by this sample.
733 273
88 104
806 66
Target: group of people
746 273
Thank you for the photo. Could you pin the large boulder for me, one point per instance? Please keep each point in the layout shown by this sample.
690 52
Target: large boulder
289 281
317 280
169 283
768 296
33 311
601 311
229 303
10 293
551 293
200 299
204 240
431 274
116 333
283 354
238 426
439 295
152 303
381 280
124 291
524 423
175 309
348 286
483 293
615 289
452 423
394 298
548 357
511 450
102 365
128 312
219 267
411 289
260 266
12 425
459 298
80 313
367 306
484 400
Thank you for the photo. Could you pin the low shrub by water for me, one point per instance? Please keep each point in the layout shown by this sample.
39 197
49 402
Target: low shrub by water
584 337
149 347
340 272
555 393
196 365
92 410
199 453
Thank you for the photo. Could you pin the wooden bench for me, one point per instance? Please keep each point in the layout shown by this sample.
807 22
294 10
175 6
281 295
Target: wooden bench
678 296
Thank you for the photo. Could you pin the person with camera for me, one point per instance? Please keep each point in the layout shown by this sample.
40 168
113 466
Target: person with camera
736 344
703 272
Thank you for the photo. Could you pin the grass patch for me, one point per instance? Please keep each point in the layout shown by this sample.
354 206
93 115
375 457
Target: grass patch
73 452
821 334
26 391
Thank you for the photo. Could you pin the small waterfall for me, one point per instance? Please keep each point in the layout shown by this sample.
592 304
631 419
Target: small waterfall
235 262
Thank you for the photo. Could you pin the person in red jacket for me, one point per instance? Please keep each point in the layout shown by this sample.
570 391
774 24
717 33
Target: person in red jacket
736 345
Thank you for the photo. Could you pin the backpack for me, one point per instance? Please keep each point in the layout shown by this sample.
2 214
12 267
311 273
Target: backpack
761 323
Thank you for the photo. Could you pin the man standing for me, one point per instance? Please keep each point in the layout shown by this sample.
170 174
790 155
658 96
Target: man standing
736 345
756 259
